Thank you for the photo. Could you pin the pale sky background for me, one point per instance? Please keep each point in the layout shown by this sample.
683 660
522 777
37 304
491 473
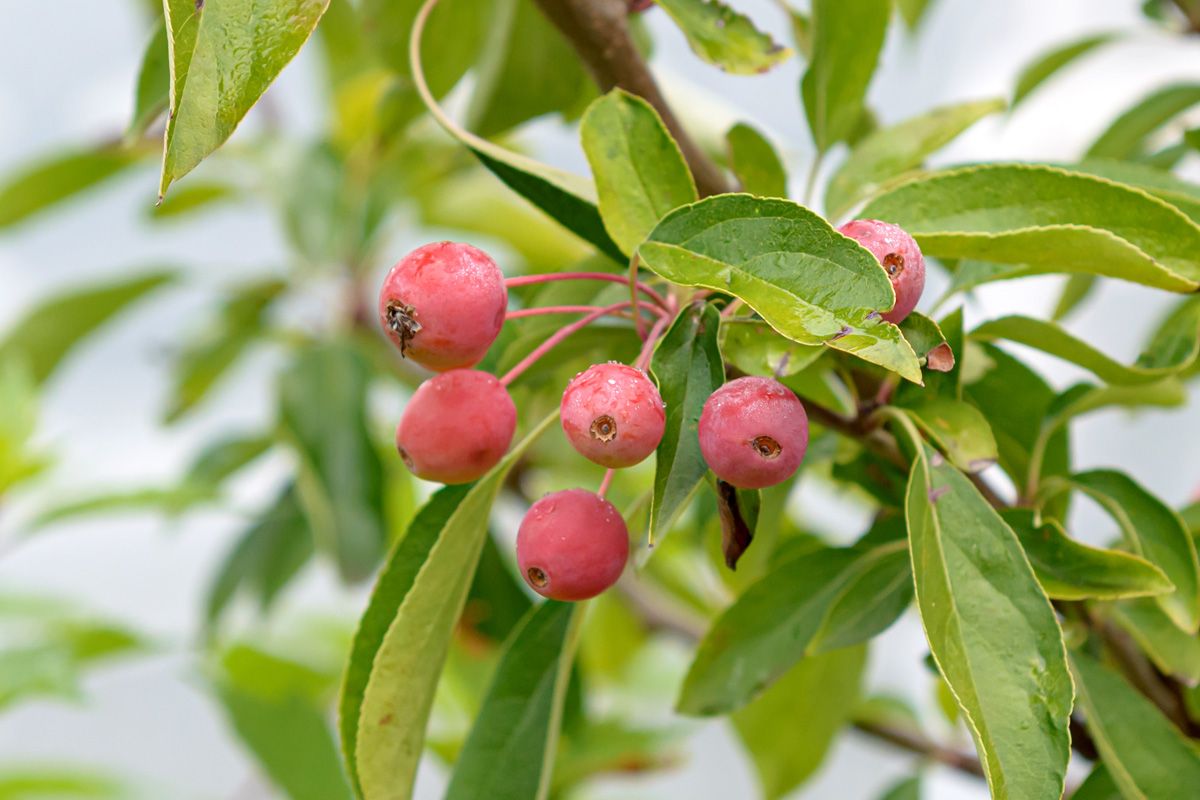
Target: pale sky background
66 76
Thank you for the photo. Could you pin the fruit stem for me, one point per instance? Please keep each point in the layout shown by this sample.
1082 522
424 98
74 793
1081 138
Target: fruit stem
606 481
556 338
526 280
633 283
643 359
534 312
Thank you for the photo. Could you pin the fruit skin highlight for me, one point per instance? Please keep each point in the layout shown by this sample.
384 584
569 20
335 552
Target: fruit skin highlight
753 432
457 426
443 305
572 545
613 414
899 255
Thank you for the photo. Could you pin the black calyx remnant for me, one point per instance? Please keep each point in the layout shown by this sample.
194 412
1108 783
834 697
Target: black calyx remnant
403 322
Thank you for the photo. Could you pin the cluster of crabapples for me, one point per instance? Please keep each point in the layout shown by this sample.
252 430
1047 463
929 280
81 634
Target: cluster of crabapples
444 304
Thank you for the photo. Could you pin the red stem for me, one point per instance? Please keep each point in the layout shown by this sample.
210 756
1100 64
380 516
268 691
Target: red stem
538 311
556 337
643 359
526 280
606 482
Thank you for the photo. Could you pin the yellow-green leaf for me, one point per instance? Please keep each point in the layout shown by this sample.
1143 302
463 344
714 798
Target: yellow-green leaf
809 282
725 38
640 173
1080 223
224 55
406 633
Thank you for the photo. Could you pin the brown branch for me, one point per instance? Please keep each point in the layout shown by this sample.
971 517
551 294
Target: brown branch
1191 12
599 32
918 743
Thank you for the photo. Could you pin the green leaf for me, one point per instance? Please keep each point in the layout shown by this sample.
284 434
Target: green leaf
959 430
821 691
1127 136
1152 531
1144 754
1080 223
755 162
725 38
640 173
1172 651
510 752
1069 570
1098 786
1160 183
18 398
847 38
1166 356
207 358
153 85
201 484
926 339
611 747
780 619
265 557
458 26
47 183
687 367
224 55
405 633
807 281
907 789
1046 65
323 399
45 648
1077 289
568 199
192 198
394 583
47 333
991 630
890 152
874 596
522 50
1015 400
65 782
285 729
755 348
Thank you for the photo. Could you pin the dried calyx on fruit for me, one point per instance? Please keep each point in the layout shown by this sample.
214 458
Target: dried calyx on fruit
613 414
443 305
753 432
900 257
572 545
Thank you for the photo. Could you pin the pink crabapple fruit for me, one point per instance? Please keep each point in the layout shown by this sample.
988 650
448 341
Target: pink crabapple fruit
457 426
900 256
443 305
753 432
613 414
572 545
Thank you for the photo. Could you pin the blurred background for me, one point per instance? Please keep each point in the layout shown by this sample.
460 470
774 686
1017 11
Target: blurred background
117 429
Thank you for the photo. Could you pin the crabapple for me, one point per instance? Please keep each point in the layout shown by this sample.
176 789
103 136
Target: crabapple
898 253
753 432
456 427
443 304
572 545
613 414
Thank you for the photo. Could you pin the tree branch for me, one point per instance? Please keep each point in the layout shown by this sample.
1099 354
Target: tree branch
918 743
599 32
